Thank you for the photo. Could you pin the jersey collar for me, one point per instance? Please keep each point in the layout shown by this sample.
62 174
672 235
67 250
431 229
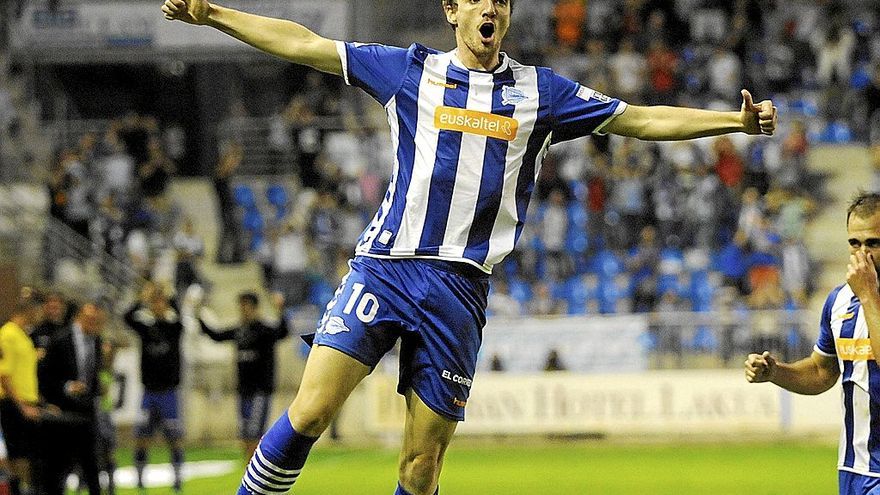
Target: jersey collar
505 63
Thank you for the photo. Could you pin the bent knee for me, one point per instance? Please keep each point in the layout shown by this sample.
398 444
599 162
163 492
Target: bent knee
311 416
420 471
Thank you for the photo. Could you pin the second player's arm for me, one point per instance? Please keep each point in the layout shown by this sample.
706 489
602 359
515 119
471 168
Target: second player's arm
279 37
810 376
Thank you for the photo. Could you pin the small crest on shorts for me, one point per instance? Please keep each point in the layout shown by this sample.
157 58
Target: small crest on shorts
512 96
335 325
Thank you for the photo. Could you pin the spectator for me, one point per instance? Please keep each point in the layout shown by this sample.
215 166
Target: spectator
229 247
501 303
155 172
69 380
662 70
189 249
728 164
290 262
628 73
553 230
569 17
725 72
544 303
834 55
255 344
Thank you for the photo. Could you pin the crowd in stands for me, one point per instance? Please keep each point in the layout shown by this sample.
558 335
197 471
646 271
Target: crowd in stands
619 225
616 225
111 188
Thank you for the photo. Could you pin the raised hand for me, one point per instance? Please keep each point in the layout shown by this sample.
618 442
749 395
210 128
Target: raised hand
757 118
189 11
760 367
861 275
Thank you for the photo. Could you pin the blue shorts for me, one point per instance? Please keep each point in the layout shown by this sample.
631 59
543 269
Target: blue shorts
253 410
436 308
857 484
159 410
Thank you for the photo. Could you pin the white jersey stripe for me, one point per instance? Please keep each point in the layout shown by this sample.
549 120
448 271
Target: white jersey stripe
431 91
467 182
379 220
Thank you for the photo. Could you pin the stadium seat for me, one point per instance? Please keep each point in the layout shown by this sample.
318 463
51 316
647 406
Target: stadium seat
277 197
520 290
320 292
606 264
244 196
253 221
704 340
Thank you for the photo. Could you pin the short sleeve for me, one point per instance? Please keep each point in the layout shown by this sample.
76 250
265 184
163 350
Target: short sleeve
377 69
825 342
579 111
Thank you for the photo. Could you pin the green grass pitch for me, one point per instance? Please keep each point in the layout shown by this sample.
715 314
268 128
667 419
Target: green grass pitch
582 468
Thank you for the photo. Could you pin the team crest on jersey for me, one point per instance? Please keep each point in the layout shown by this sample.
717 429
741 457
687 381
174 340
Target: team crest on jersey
512 96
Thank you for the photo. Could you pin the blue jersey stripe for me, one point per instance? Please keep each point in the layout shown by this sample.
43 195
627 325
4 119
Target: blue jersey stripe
874 433
407 118
847 330
850 454
445 170
492 182
525 182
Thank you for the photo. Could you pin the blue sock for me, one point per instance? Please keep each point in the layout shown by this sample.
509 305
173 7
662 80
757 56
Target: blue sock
177 464
401 491
140 462
277 461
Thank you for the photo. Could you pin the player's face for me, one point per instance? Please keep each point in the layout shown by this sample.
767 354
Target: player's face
864 235
480 27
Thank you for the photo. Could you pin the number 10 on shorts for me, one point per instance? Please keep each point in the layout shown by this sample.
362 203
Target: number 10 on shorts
365 304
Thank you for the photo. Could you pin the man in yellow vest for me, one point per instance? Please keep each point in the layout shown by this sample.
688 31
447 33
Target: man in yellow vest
19 411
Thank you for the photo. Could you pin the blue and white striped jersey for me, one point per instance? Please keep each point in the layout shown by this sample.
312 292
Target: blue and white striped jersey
468 146
844 333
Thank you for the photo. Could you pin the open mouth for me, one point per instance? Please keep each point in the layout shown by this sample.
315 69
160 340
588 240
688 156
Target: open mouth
487 30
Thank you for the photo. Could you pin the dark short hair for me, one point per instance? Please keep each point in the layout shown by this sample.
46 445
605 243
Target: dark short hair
249 297
863 205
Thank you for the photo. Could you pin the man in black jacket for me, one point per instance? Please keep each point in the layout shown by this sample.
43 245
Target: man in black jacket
255 342
158 325
68 379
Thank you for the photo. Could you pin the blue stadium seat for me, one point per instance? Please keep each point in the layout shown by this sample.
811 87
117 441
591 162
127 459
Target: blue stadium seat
253 221
704 340
606 264
701 291
256 241
320 292
277 197
244 196
520 290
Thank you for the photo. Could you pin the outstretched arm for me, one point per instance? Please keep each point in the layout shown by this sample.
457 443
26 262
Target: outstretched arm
282 38
809 376
663 123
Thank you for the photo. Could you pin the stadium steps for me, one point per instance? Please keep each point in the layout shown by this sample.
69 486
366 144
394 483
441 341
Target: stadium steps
848 169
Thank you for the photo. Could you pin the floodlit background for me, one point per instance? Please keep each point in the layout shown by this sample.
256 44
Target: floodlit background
132 148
